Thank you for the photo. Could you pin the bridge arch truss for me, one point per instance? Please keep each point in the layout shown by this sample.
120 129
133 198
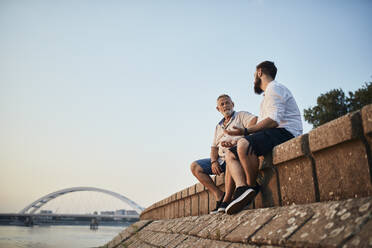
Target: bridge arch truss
34 206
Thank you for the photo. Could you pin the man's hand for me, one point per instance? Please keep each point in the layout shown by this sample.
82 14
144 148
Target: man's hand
216 169
238 131
228 144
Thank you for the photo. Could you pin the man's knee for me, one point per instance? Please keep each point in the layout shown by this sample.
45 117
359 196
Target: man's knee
195 168
242 145
229 156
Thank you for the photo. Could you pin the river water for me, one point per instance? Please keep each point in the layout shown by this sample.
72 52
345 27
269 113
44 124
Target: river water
56 236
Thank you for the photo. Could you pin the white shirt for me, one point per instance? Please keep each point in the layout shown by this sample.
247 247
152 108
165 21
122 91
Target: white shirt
279 105
239 119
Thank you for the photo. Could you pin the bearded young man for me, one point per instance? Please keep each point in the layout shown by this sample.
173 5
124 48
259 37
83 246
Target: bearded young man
279 121
203 168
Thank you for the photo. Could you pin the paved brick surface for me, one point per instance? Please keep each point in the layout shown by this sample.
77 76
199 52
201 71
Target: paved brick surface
221 225
334 222
363 238
285 223
346 223
253 221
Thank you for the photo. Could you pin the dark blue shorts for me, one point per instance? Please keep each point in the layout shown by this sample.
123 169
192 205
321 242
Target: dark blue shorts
263 142
206 165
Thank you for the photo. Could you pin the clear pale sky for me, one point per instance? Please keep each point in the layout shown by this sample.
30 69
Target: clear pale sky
121 95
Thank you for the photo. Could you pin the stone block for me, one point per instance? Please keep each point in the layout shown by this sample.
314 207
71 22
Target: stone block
252 221
149 237
129 231
196 224
296 181
221 225
212 202
173 210
174 197
199 188
195 205
333 223
176 209
204 202
115 242
179 195
154 225
343 171
237 245
362 238
160 213
366 113
185 193
331 133
289 150
192 190
286 222
211 243
178 240
181 208
162 239
167 211
188 242
156 213
188 206
269 193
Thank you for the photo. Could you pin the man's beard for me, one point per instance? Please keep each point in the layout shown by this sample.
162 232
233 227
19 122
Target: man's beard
228 112
257 86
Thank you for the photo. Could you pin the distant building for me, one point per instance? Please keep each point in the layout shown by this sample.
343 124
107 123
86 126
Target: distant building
131 212
120 212
107 213
46 211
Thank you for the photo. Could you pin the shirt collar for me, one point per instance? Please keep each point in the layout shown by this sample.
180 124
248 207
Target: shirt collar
223 119
268 85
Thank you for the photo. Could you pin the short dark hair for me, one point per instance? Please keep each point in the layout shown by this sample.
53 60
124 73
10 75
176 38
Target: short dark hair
268 68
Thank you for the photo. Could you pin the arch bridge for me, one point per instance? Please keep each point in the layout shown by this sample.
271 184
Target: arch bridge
34 206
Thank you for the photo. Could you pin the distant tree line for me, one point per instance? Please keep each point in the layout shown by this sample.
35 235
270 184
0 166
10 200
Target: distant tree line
335 103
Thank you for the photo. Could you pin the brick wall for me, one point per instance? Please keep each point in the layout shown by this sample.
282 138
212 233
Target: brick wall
331 162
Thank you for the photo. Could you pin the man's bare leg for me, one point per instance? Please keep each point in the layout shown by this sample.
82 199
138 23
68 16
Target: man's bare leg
235 170
229 186
248 161
244 194
206 180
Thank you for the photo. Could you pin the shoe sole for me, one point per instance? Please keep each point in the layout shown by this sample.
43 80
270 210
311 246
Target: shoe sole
239 203
221 210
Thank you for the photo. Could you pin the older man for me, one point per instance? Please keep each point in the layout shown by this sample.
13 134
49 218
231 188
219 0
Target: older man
203 168
279 121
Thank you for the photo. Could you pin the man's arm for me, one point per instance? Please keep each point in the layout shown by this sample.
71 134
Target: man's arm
262 125
216 169
252 122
